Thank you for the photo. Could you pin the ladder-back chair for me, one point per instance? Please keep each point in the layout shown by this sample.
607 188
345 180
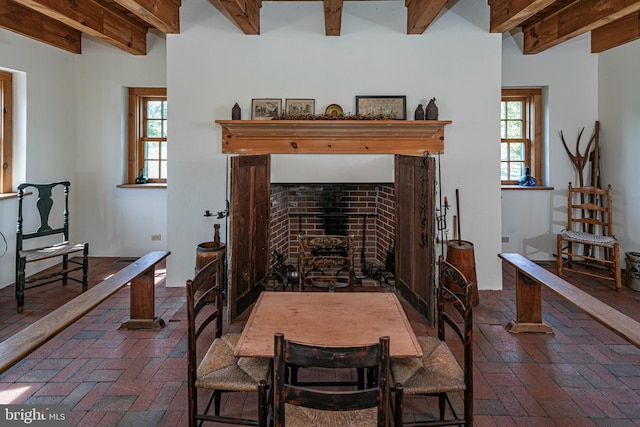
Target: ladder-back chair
216 369
296 405
588 245
65 248
438 372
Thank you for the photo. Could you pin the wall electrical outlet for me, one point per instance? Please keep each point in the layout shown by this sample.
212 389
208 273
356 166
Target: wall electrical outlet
156 237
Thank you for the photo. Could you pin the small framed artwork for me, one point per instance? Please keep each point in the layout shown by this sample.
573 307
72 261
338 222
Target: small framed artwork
300 106
265 108
385 106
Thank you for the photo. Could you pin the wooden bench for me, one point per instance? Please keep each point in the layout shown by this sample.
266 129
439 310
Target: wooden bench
140 274
529 279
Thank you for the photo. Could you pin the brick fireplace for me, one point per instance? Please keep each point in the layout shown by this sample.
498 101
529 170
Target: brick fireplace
365 211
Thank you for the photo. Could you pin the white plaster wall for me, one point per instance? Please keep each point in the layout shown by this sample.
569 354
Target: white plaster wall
619 95
211 65
115 221
569 75
46 84
75 113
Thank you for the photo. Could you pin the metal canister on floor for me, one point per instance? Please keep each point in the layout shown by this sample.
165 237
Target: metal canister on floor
632 272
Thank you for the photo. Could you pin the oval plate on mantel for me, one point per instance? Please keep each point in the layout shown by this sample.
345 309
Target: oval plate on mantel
333 110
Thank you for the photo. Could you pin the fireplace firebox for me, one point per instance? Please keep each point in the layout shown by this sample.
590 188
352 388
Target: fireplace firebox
365 211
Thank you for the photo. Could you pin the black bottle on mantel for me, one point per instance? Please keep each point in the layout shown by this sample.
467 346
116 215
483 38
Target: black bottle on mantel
432 110
235 112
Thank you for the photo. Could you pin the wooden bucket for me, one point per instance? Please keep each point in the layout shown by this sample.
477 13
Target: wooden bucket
460 254
207 252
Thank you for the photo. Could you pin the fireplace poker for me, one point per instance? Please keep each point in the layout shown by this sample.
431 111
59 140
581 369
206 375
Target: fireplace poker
442 218
458 213
364 232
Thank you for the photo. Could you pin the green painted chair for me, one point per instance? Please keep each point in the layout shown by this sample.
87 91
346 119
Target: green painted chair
62 248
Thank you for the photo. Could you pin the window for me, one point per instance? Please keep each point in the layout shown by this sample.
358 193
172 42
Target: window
148 134
520 134
6 118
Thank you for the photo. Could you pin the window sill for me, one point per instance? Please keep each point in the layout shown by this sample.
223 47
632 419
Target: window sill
519 187
5 196
152 185
8 196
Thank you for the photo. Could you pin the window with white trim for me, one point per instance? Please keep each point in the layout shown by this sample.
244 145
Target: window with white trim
148 134
520 134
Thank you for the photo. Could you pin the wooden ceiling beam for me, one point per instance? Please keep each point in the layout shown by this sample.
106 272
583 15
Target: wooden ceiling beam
579 17
421 13
508 14
91 17
332 17
616 33
161 14
29 23
245 14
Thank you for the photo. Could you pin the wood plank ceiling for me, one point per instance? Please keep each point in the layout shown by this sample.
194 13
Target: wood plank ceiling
125 23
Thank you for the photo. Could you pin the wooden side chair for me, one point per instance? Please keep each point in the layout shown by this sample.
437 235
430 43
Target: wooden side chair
438 372
326 261
219 370
64 248
588 245
296 405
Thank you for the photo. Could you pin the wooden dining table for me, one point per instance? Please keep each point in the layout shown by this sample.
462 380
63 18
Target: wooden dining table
328 318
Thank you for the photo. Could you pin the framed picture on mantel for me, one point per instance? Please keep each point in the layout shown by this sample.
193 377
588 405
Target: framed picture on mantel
300 106
386 106
265 108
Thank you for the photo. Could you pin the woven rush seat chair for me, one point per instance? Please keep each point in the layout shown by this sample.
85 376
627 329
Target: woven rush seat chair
298 406
219 370
437 372
588 245
64 248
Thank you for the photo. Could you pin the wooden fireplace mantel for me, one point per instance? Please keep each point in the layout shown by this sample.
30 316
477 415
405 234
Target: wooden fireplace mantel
333 136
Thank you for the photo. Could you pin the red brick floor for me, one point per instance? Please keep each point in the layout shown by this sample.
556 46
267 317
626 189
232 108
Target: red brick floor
582 375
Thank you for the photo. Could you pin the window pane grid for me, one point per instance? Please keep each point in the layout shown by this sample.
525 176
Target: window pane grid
154 140
514 152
